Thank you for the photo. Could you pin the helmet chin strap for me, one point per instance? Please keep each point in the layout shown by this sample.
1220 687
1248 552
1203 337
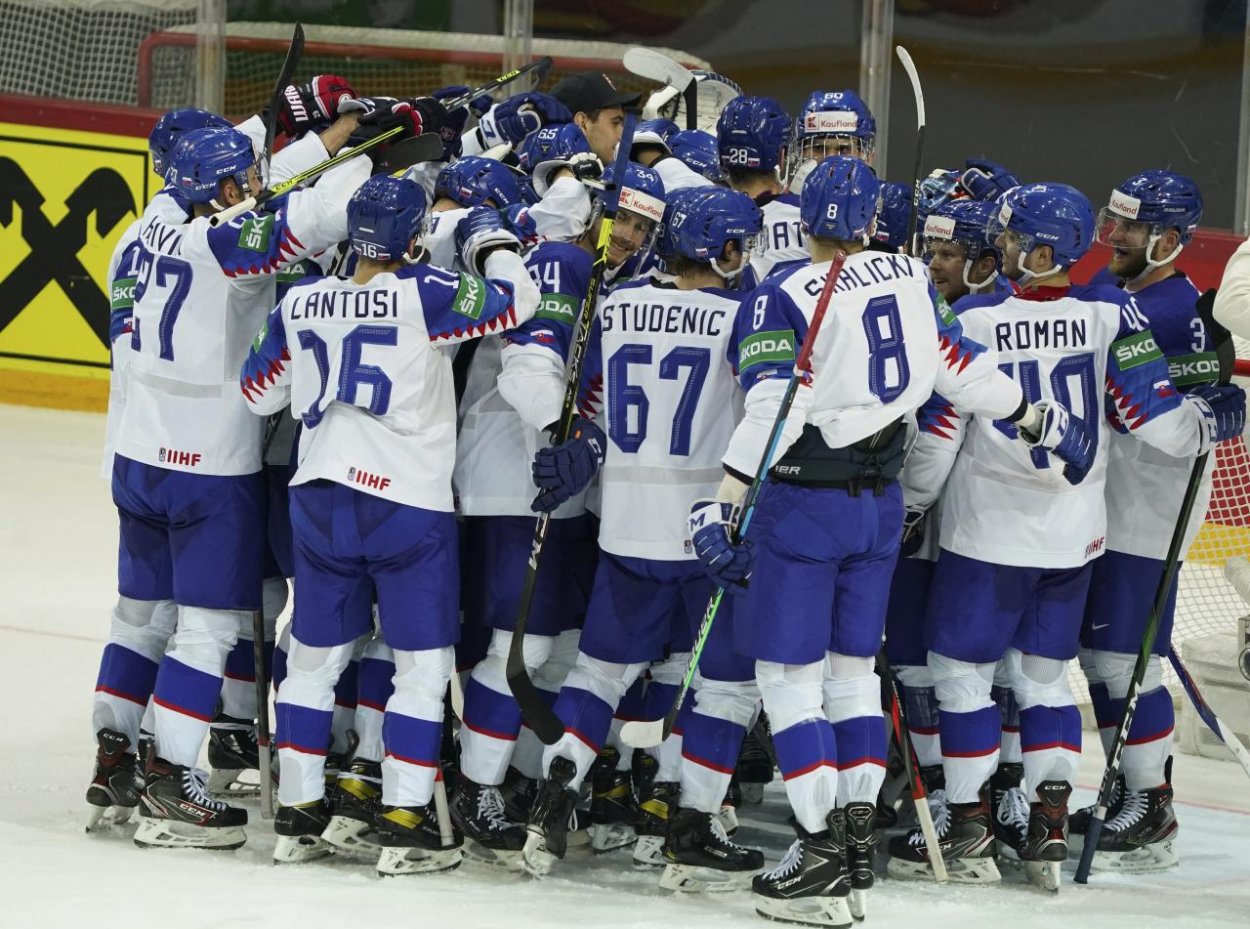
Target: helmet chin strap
984 287
1151 264
1027 277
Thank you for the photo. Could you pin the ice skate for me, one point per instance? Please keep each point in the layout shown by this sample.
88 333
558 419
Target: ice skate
810 887
337 762
356 799
176 812
965 839
411 842
548 823
299 831
232 750
1141 837
861 848
728 814
1011 811
612 808
652 824
1045 848
478 812
1078 822
115 787
698 856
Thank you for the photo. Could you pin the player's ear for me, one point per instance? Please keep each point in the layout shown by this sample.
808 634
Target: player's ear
1043 256
229 192
1167 244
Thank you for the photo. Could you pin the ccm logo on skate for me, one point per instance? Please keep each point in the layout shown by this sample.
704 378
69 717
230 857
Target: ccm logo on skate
1095 546
365 479
174 457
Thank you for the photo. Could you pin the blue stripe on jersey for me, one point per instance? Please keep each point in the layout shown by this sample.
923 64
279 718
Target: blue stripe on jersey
267 358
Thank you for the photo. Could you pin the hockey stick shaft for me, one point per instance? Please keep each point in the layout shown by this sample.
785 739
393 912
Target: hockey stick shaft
540 69
898 720
263 745
534 707
1214 723
294 52
643 734
918 92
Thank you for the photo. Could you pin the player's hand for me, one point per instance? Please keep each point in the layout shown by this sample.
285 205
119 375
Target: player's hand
1065 437
480 105
316 103
381 114
563 471
913 530
1223 408
586 166
727 563
480 232
518 116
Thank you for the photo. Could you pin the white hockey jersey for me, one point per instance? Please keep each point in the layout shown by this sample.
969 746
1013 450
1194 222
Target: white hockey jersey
202 293
658 382
782 239
440 237
367 369
1080 346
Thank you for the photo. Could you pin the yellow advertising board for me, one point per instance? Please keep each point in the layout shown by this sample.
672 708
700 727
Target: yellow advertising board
66 197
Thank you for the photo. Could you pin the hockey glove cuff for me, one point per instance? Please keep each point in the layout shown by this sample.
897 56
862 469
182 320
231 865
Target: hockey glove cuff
316 103
1065 437
563 471
913 530
480 232
1223 409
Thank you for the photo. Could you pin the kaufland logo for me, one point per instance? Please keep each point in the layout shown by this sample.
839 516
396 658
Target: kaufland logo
841 121
643 204
1125 205
939 227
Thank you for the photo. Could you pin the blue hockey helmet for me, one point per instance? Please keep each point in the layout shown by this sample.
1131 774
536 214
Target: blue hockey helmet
171 127
204 157
895 214
383 217
700 221
840 199
642 191
473 180
840 115
696 149
752 133
1146 206
551 143
962 223
1051 214
655 132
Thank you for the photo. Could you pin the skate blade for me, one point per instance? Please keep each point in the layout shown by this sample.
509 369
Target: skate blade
396 861
352 837
958 870
496 858
858 903
806 911
752 793
535 859
164 833
682 878
611 837
1045 874
1157 856
296 849
728 817
649 852
105 817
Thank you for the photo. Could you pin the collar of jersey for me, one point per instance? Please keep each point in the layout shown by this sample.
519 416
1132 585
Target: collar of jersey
1043 294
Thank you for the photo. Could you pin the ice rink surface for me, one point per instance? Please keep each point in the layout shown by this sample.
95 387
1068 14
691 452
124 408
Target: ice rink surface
57 584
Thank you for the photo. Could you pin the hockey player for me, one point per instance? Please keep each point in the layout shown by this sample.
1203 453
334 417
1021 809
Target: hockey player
960 261
657 377
468 182
187 473
373 499
1149 220
824 537
598 109
753 140
514 394
835 122
1000 593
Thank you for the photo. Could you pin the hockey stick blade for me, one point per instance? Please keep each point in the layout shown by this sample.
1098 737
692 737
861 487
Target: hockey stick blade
643 733
1207 714
413 151
294 52
909 66
656 66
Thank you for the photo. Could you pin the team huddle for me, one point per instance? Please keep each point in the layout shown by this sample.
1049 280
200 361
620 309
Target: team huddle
719 366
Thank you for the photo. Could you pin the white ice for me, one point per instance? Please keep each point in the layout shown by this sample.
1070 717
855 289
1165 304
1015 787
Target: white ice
58 549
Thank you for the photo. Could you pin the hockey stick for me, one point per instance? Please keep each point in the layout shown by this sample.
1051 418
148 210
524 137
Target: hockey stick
264 751
540 69
538 714
898 719
648 733
910 67
658 67
1225 351
1216 725
294 52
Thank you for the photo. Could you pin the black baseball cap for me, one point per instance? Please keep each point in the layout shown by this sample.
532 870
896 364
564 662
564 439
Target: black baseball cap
587 91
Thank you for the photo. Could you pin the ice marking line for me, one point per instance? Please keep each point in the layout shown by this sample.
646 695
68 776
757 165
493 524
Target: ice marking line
53 635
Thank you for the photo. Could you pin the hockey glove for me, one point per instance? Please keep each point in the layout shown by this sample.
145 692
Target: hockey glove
1223 409
1064 436
381 114
480 232
479 105
586 166
517 220
315 104
518 116
913 530
727 563
563 471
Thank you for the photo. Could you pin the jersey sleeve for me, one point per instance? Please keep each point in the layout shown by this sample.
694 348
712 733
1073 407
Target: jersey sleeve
564 211
940 433
968 371
1142 400
266 375
768 331
459 307
123 274
296 157
1232 301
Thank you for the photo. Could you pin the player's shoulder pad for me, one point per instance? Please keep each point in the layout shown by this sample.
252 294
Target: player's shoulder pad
976 301
565 252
